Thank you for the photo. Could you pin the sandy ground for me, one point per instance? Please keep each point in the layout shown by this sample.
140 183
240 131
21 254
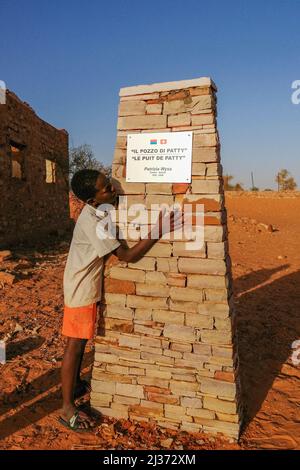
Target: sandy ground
266 269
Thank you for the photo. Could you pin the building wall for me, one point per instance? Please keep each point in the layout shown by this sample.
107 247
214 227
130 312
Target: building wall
166 349
29 205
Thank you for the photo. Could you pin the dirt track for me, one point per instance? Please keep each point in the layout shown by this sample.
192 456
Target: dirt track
266 268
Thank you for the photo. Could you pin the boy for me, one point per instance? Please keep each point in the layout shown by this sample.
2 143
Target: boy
82 284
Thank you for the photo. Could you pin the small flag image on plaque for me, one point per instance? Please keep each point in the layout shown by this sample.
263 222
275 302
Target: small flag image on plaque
163 141
153 141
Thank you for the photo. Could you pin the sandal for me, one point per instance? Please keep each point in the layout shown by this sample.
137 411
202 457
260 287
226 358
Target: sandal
74 423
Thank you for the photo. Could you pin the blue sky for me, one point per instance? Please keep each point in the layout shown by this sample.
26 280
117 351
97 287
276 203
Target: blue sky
69 59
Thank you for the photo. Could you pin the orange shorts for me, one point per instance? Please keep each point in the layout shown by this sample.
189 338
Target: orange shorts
80 322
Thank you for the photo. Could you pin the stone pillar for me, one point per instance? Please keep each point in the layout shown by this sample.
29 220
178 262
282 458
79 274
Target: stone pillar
165 350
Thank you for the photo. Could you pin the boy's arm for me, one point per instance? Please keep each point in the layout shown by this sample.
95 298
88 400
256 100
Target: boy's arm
131 255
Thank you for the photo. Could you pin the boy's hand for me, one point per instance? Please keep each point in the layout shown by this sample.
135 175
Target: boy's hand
168 222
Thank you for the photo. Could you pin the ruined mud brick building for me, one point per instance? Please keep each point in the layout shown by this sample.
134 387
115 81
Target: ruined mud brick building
33 174
166 349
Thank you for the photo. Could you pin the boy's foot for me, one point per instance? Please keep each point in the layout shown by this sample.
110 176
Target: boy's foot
76 420
82 387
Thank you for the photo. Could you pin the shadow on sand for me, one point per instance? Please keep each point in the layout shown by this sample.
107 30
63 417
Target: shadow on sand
33 412
268 321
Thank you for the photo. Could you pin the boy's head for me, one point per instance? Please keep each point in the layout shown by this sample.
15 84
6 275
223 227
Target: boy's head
93 187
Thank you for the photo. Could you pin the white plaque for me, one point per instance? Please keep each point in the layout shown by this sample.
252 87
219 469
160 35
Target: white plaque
159 158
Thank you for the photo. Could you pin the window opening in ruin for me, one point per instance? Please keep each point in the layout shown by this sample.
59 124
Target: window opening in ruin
17 160
50 171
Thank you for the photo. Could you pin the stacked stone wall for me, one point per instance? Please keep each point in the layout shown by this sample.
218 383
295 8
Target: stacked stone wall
166 348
